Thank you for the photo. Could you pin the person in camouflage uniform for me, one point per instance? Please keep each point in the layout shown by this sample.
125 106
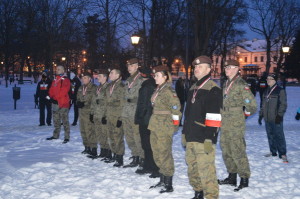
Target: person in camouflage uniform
84 100
131 130
200 130
166 106
115 101
98 109
238 103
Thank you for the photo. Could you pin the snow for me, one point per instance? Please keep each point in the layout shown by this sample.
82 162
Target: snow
32 167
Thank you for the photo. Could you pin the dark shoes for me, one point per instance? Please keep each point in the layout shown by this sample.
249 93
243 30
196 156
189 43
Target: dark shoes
198 195
230 180
65 141
41 124
134 163
51 138
49 124
243 184
74 124
168 187
161 182
154 174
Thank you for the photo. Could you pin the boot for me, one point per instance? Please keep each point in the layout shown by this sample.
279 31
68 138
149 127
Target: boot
230 180
168 185
160 183
108 155
243 184
119 161
134 163
85 150
154 174
93 153
88 150
142 169
198 195
111 160
102 153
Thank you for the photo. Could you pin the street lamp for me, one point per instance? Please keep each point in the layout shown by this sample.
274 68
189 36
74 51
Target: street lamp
135 41
285 49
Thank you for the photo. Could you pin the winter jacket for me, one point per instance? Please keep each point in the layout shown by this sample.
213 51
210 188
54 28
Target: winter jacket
75 84
273 104
42 89
59 91
144 107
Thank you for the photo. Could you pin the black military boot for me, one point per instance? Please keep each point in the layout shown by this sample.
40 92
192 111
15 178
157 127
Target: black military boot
93 153
119 161
85 150
89 151
102 153
243 184
198 195
134 163
108 155
168 185
230 180
142 169
111 160
160 183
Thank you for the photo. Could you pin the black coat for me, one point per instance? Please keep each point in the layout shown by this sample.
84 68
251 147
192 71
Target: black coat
42 89
144 107
75 84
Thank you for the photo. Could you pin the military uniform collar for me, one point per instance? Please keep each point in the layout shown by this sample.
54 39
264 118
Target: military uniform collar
133 76
199 82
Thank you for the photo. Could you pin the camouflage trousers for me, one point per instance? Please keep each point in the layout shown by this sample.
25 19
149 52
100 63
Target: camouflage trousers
202 169
234 155
116 136
133 137
87 129
161 144
60 115
101 134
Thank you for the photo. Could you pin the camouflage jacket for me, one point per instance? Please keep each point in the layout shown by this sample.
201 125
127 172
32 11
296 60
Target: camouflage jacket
132 87
114 99
165 104
99 101
87 98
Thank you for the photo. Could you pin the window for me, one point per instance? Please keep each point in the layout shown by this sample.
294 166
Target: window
255 59
262 58
245 59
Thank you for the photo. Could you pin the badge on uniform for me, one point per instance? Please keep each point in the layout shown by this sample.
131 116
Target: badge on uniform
247 101
174 107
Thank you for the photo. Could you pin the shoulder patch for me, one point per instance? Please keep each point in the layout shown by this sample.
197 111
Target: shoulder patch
246 88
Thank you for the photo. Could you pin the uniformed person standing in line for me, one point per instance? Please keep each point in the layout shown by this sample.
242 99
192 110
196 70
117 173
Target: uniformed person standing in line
84 100
130 129
238 103
115 101
200 130
166 107
98 110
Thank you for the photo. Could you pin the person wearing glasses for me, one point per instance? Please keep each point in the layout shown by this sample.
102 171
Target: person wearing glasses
238 104
273 108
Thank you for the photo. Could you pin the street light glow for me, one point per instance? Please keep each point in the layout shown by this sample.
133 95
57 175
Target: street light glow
63 58
285 49
135 39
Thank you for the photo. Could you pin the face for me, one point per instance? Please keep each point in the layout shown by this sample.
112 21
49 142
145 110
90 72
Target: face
270 81
160 78
85 80
201 70
102 78
231 71
60 71
132 68
113 75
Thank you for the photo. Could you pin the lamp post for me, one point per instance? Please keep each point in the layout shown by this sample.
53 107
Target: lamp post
135 38
285 50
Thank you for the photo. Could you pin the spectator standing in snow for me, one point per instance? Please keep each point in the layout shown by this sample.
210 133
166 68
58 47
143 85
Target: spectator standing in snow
297 117
75 84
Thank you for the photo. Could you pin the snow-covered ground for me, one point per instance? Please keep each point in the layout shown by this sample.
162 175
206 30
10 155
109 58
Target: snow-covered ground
33 168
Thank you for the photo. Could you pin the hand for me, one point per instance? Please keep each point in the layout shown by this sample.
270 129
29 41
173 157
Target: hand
208 148
278 119
53 101
119 123
80 104
183 140
260 120
104 121
91 118
297 117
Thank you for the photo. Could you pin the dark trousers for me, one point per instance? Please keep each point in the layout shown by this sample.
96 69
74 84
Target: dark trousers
75 112
45 105
149 163
276 138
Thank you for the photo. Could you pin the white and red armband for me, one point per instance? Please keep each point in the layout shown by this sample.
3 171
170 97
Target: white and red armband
213 119
246 113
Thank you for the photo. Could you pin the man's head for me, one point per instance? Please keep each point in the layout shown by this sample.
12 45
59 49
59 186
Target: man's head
132 65
272 79
231 68
60 70
115 73
86 78
202 66
102 76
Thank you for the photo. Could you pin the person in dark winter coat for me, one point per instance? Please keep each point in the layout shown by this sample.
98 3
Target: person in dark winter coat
142 117
262 86
273 108
75 84
297 117
42 90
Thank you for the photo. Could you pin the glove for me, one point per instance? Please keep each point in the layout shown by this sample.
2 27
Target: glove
208 148
278 119
53 101
183 140
80 104
97 101
297 117
119 123
260 119
91 118
103 120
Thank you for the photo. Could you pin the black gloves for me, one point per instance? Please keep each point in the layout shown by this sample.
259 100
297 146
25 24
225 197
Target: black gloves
119 123
103 120
91 118
278 119
297 117
80 104
260 119
53 101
